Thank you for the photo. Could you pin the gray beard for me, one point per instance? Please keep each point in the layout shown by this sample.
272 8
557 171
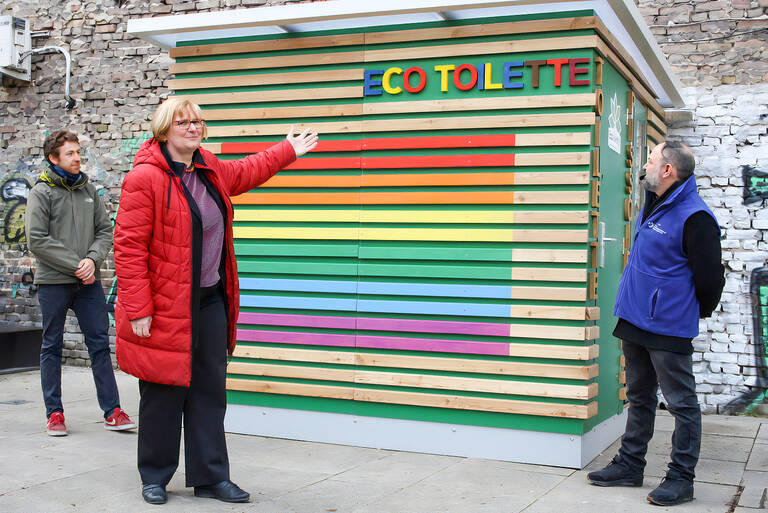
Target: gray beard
650 184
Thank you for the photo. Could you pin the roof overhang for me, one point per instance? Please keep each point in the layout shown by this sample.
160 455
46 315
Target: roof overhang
621 18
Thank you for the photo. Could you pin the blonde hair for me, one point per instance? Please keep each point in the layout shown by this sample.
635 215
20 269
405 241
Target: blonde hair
169 109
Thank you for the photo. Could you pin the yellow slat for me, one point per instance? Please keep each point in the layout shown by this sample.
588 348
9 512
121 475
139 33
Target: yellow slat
415 216
408 234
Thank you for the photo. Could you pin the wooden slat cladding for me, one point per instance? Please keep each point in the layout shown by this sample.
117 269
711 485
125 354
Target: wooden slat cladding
396 36
417 399
358 56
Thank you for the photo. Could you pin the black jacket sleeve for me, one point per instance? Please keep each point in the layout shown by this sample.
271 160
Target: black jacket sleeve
701 243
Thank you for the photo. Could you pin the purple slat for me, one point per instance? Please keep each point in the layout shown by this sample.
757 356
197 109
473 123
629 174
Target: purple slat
310 321
425 326
430 344
380 324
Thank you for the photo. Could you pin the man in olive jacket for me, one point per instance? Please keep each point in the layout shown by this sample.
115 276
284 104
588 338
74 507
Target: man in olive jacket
70 234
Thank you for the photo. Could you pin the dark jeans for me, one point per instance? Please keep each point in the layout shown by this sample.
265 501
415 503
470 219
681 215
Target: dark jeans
202 407
647 369
90 307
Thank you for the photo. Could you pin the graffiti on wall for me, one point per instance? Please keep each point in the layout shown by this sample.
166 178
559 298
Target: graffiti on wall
14 193
755 184
758 394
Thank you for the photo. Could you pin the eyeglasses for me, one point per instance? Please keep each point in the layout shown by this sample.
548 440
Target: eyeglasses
184 124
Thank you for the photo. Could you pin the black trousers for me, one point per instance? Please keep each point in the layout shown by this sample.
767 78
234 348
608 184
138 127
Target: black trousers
202 407
647 369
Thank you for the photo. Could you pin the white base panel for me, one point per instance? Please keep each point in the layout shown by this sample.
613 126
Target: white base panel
517 445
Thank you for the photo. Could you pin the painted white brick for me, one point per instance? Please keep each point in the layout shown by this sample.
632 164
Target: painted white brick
721 357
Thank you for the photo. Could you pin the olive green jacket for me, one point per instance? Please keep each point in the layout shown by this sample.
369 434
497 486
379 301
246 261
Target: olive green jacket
63 225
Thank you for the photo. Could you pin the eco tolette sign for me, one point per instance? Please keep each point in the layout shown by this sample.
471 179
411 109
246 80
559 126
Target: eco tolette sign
484 76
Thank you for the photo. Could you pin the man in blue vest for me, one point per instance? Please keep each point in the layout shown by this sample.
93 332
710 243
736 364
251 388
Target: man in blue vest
674 277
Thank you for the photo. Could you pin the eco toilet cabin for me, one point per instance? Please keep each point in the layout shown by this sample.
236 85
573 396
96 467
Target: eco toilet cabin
439 274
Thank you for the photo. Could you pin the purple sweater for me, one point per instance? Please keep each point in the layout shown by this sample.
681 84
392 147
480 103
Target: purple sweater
213 228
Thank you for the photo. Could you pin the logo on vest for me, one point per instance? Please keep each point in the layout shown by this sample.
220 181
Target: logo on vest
656 228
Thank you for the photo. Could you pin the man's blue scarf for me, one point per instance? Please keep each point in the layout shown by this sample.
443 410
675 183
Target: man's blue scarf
69 178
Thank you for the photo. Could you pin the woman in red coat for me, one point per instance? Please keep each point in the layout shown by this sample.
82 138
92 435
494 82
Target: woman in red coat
178 299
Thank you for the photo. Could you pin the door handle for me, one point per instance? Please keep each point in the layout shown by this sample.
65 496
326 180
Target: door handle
601 243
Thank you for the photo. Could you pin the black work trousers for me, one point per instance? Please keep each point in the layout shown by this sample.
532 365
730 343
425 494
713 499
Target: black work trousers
202 407
647 369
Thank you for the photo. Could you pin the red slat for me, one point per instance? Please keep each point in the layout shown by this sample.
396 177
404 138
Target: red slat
387 143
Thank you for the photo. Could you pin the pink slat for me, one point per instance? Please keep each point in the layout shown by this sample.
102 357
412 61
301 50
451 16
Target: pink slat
429 344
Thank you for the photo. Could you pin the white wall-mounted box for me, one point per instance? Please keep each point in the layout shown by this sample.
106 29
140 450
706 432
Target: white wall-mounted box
15 39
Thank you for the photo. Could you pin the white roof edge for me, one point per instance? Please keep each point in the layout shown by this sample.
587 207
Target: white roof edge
152 29
296 13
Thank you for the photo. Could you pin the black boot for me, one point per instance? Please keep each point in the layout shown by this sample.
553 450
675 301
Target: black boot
616 474
154 493
226 491
672 491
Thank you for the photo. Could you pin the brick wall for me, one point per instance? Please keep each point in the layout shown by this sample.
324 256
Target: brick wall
717 48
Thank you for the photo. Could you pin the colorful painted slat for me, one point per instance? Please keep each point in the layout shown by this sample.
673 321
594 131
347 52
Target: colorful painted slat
445 161
415 307
417 325
406 143
287 180
415 216
472 271
415 198
416 234
415 289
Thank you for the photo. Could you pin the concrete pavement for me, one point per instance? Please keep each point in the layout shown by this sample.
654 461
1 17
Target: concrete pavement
94 470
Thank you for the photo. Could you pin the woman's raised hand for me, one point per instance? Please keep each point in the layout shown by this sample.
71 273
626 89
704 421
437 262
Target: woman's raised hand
302 143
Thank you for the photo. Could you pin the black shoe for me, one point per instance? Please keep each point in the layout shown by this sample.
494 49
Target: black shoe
615 474
672 491
226 491
154 493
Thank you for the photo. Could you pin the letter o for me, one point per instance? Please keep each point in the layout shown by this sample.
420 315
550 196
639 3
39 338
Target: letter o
407 79
457 77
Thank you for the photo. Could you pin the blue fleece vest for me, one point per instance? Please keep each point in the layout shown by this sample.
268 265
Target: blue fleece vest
656 292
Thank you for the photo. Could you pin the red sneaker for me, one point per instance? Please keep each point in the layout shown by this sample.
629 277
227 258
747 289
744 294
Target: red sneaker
118 421
55 425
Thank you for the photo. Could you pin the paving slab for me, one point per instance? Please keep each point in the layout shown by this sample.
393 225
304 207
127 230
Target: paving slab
713 447
571 496
738 425
762 435
758 459
755 492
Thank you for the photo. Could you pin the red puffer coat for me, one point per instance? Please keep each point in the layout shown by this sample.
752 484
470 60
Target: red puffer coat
153 256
